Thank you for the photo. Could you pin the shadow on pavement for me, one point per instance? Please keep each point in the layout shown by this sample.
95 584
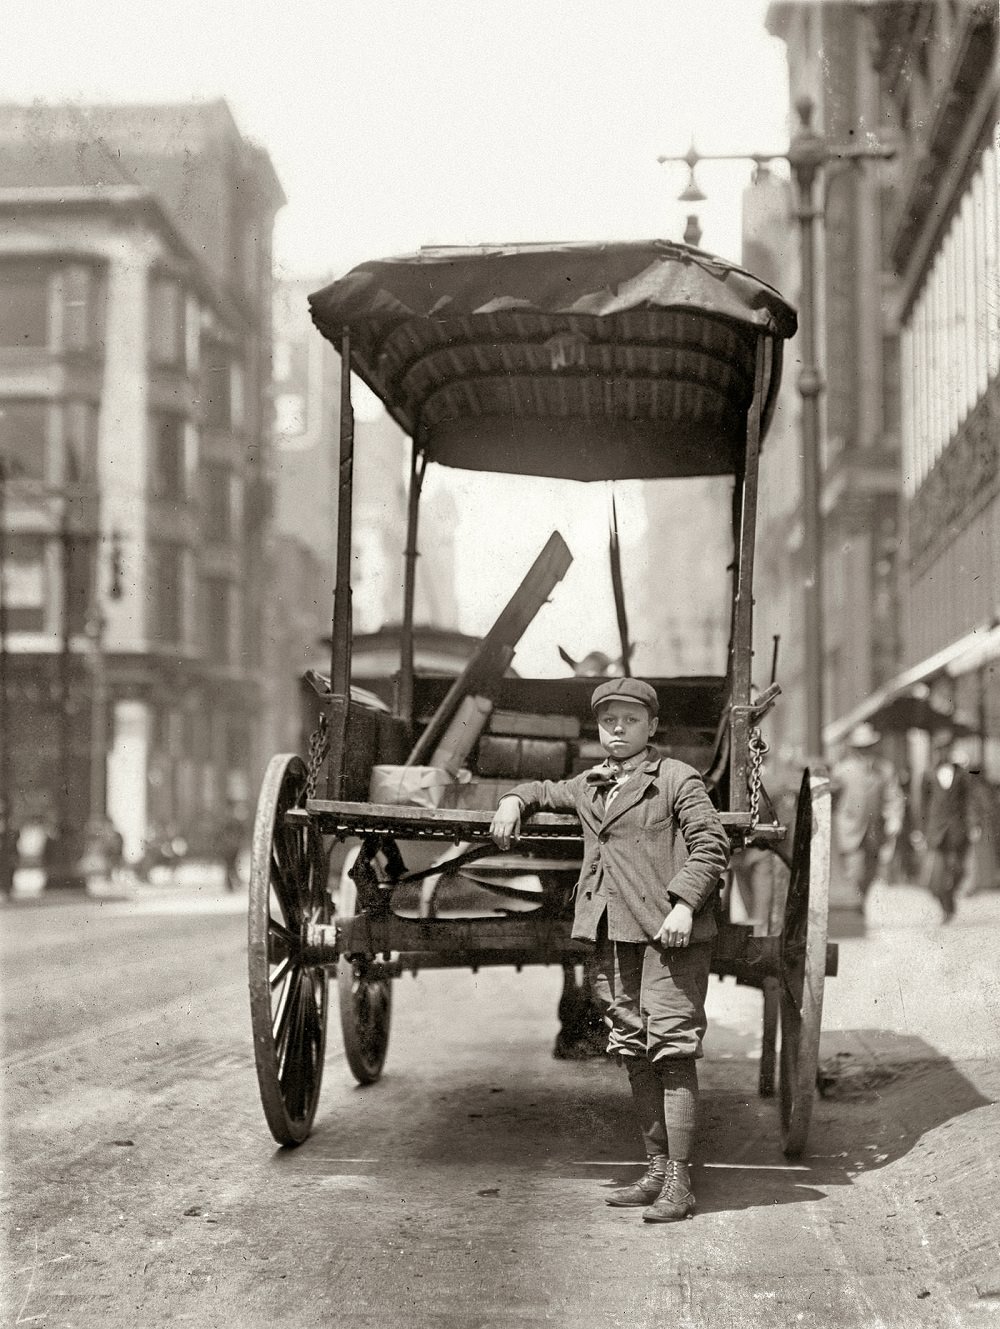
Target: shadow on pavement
881 1096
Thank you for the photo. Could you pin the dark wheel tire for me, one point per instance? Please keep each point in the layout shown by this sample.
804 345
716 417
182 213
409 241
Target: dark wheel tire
769 1038
803 961
288 998
365 1003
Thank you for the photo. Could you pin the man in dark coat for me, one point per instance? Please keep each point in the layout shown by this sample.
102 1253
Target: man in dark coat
654 849
867 811
946 807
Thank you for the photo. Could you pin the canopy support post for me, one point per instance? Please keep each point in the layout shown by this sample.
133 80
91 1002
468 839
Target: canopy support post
742 677
340 650
404 688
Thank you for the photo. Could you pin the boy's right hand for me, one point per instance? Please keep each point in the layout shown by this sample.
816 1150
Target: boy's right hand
506 823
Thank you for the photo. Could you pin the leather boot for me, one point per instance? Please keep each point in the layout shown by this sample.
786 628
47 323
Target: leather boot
676 1199
645 1190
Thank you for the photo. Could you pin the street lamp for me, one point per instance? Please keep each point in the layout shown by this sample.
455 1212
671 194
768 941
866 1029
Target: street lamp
807 154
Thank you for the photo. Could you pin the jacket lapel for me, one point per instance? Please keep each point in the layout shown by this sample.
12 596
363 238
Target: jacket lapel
593 806
632 791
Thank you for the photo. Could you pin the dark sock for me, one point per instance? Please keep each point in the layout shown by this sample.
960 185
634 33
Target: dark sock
678 1077
647 1094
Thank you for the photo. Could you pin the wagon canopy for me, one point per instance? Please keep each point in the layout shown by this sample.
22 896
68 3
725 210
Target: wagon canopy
582 361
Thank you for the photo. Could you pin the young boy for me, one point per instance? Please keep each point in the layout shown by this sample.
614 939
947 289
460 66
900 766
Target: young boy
654 849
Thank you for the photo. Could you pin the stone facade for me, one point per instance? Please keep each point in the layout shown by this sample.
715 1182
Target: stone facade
134 382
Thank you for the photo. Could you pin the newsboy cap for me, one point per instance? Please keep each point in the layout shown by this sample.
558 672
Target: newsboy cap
626 689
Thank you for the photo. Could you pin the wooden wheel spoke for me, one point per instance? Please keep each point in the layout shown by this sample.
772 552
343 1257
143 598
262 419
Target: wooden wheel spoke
295 1074
287 1027
279 1020
280 971
281 941
313 1026
286 880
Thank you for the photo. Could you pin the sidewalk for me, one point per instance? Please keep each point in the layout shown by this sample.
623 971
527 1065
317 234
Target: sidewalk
917 982
194 877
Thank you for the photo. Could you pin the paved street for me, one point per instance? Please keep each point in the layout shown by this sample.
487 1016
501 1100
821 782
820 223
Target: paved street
466 1189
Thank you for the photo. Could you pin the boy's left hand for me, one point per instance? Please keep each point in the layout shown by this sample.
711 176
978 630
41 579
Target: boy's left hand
676 929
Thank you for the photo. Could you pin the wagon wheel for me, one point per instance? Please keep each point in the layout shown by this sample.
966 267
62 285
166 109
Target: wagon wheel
771 987
288 998
803 961
365 1002
769 1038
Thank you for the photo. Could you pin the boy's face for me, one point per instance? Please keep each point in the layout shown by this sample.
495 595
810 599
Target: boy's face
624 728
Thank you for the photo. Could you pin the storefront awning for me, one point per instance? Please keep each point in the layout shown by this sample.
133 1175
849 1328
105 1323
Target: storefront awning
964 656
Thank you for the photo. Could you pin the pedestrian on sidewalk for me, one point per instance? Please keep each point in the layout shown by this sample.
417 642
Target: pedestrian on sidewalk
946 806
654 850
232 836
984 819
868 807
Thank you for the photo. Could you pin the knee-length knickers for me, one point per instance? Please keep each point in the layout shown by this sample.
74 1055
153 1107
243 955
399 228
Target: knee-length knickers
654 996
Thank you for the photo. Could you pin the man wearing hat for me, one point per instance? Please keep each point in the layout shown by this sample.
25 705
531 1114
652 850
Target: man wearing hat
654 849
868 808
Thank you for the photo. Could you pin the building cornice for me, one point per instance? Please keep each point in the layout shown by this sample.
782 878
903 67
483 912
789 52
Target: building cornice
969 94
129 203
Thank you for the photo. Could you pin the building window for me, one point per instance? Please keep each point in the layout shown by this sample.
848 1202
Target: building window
218 620
218 503
217 387
83 309
167 587
24 439
167 323
79 442
168 459
24 583
950 344
24 309
78 554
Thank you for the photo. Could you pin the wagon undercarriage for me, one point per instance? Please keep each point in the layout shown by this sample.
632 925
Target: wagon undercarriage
304 925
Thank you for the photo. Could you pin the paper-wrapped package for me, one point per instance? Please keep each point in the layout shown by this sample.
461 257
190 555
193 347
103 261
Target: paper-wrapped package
415 786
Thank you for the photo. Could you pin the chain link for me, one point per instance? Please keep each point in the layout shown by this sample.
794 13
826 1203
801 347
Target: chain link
319 746
758 751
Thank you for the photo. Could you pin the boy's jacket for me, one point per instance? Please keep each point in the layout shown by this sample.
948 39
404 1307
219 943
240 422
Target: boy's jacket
660 837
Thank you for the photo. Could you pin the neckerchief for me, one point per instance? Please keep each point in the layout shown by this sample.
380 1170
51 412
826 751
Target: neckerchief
609 777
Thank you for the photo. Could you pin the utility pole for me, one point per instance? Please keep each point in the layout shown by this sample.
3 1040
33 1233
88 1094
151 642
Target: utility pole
63 867
808 154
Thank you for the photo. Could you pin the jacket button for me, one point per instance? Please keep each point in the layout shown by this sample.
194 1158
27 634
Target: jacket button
603 837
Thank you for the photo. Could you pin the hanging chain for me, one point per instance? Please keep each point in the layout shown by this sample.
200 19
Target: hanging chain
758 750
319 746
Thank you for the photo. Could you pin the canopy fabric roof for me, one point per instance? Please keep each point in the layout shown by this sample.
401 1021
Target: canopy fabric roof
586 361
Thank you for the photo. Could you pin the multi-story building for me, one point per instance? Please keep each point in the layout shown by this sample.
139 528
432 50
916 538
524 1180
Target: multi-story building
135 267
907 319
938 67
859 461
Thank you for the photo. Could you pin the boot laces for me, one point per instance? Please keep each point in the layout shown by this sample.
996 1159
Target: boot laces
655 1172
675 1187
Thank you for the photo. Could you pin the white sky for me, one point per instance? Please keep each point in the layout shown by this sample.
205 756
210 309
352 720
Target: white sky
411 122
399 123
